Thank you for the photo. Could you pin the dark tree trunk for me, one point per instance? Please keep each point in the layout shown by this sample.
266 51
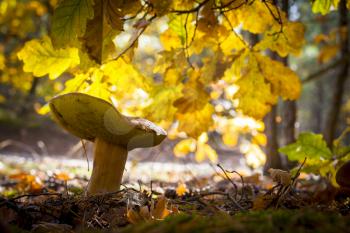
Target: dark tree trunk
289 108
27 105
333 115
273 158
289 116
318 107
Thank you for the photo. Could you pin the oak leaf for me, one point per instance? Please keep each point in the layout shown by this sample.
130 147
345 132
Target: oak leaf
41 58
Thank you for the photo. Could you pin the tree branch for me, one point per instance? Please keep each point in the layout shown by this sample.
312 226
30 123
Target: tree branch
324 70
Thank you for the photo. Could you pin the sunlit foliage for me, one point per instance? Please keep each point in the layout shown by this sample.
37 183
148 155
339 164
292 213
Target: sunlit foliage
187 65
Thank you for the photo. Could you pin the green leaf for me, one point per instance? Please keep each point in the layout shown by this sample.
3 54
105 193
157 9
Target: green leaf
41 58
321 6
69 20
308 145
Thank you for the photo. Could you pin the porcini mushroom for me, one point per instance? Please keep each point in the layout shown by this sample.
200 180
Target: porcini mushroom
96 120
343 175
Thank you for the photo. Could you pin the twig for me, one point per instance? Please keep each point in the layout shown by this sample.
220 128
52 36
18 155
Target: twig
298 172
139 33
229 179
85 153
324 70
197 8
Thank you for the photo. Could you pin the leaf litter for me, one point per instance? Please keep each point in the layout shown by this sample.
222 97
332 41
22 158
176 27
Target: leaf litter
37 202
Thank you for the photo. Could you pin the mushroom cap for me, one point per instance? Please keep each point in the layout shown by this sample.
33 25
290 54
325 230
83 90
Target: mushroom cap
89 117
343 175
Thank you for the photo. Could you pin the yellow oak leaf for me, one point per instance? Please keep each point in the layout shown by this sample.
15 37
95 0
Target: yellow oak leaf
323 6
196 122
251 15
259 139
254 95
172 77
205 151
194 97
170 40
184 147
181 189
232 43
288 41
327 53
181 24
283 80
233 73
2 62
124 76
161 106
230 138
41 58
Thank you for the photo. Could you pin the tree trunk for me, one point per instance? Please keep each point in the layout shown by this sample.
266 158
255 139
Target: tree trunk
273 159
28 101
336 102
318 107
289 117
289 108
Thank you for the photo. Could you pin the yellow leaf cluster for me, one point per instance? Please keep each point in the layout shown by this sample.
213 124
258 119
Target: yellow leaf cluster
324 6
261 81
256 16
2 62
194 98
184 147
284 81
200 147
41 58
254 94
124 76
253 154
286 40
196 122
161 106
232 43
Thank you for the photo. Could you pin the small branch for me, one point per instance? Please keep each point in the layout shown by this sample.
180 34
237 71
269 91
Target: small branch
195 9
324 70
135 39
229 179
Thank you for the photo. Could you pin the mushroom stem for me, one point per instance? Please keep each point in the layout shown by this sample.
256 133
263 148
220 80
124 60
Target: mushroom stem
108 168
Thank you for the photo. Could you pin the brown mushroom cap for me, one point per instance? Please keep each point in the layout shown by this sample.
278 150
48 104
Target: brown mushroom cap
343 175
89 117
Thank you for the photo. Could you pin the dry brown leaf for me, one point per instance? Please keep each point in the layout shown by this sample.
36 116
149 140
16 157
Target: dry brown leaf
133 216
160 211
261 202
145 213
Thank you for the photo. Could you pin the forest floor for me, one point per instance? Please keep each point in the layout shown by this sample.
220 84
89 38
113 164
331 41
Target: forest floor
40 198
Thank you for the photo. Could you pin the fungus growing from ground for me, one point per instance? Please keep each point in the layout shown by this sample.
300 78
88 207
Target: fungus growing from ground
96 120
343 175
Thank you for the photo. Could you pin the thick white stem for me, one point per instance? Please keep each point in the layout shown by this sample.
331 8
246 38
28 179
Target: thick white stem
108 168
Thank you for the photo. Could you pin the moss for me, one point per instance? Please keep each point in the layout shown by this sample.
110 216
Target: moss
290 221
